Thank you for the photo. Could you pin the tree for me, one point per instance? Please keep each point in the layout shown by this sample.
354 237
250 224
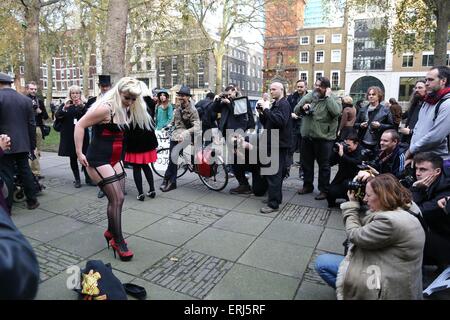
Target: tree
413 21
32 11
234 14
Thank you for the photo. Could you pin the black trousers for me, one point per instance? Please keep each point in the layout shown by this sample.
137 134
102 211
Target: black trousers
259 183
337 190
275 182
437 249
7 171
172 168
316 150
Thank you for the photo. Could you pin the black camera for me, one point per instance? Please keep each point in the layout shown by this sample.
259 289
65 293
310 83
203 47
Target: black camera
367 155
259 106
408 177
337 144
308 111
359 187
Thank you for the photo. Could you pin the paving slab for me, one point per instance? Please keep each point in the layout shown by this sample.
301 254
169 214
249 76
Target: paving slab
220 243
279 257
52 228
155 292
331 241
171 231
335 220
220 200
293 233
313 291
247 283
135 220
243 223
24 217
160 206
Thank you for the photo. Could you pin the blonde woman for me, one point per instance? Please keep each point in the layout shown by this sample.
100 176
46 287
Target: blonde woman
68 114
121 107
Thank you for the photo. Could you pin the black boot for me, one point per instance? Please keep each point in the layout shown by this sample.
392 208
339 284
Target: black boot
164 184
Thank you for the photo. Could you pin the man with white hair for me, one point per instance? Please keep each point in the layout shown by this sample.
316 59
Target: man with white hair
277 117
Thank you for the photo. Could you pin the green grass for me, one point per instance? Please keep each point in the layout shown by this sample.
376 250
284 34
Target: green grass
51 142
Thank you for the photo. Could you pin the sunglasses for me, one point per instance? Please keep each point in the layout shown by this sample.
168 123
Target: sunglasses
129 98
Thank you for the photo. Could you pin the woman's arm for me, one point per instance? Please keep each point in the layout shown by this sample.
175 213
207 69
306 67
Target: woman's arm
92 117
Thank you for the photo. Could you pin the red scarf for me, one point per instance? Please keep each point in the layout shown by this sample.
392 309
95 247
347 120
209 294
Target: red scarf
434 97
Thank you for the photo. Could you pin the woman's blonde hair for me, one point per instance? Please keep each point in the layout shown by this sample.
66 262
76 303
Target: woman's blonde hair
75 88
138 110
390 192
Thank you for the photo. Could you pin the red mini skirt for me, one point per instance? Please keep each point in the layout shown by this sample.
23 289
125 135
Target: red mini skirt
141 157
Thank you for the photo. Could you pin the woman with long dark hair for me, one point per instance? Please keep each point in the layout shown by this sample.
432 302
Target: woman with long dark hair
121 107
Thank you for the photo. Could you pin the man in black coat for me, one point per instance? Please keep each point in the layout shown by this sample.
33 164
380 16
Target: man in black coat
433 184
277 117
205 112
348 156
40 114
18 122
233 116
19 268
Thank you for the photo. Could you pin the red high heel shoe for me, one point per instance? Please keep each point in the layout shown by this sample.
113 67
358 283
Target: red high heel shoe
108 237
124 253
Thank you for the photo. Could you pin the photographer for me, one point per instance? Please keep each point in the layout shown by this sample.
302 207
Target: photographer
384 258
348 155
391 158
320 110
431 186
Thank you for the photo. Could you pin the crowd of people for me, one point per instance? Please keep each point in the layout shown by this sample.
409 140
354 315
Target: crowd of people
392 165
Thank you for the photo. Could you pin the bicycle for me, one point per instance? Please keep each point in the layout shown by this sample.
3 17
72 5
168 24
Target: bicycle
213 175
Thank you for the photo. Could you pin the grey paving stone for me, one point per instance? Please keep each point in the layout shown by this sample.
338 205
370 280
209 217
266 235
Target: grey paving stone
332 240
188 272
294 233
308 200
24 217
146 253
135 220
253 205
311 274
313 291
302 214
220 200
84 242
49 196
171 231
335 220
220 243
243 223
247 283
155 292
198 213
186 193
56 289
52 228
276 256
160 206
65 204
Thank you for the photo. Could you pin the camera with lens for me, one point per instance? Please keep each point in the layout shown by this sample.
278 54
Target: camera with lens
337 144
367 155
359 187
308 111
408 177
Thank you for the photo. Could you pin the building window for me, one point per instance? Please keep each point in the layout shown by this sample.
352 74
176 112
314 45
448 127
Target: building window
174 80
320 56
407 60
336 38
162 80
335 55
320 39
45 84
148 65
303 76
304 57
138 66
317 75
335 79
174 64
201 80
427 60
161 66
304 40
21 69
201 63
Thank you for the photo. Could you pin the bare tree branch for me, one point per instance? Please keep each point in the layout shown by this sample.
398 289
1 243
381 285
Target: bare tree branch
49 2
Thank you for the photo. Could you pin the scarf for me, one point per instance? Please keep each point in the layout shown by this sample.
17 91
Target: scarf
384 157
434 97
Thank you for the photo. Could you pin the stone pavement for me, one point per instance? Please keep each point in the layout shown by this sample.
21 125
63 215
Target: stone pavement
190 243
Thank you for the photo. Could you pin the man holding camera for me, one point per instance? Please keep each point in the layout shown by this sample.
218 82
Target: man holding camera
320 110
233 117
433 184
277 118
348 155
40 114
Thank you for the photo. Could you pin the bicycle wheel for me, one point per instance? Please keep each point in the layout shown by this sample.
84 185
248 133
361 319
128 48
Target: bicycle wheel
161 164
219 180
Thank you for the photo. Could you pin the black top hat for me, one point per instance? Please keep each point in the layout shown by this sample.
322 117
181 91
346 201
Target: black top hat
104 80
185 90
5 78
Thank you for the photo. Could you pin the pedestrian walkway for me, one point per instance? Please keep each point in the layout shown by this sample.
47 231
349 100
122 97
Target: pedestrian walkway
190 243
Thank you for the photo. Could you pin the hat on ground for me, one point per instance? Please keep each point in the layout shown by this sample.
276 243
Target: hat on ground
5 78
104 80
185 90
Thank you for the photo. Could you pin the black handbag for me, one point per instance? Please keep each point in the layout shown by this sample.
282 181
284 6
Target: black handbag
57 125
45 130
